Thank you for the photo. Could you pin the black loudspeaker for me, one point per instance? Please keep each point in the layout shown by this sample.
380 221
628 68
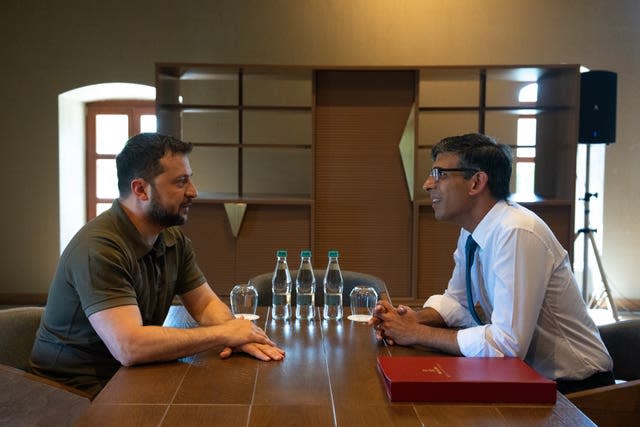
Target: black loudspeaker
598 107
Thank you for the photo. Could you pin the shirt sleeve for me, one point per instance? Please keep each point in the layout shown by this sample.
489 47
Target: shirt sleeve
102 277
518 275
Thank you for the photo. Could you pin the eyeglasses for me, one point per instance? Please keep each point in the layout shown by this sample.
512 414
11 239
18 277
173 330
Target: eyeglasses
438 173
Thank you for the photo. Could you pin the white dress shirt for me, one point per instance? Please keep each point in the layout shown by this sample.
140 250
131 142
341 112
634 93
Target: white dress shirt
522 280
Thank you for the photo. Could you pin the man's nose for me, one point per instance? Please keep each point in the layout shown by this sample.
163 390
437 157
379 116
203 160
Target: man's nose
192 191
429 183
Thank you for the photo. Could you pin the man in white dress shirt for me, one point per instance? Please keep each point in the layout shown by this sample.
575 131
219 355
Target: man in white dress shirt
525 300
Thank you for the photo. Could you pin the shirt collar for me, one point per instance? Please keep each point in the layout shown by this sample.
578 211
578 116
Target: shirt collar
489 222
140 247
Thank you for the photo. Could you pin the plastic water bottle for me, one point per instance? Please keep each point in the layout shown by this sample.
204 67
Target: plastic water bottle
333 284
281 288
305 288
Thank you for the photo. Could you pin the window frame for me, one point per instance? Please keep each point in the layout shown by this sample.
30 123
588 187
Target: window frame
134 109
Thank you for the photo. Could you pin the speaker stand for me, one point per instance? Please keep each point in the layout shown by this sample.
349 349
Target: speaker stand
588 238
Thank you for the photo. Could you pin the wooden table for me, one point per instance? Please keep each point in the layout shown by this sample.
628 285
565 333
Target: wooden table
29 400
328 378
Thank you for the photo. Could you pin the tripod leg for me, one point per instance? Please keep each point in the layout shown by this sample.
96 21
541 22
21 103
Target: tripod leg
585 266
588 299
614 310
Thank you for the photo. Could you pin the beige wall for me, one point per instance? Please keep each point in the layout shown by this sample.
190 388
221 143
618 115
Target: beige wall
51 47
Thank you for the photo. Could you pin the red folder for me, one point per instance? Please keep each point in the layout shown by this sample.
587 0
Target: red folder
464 379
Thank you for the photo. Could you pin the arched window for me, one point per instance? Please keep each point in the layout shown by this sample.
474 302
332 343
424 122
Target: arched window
72 147
109 125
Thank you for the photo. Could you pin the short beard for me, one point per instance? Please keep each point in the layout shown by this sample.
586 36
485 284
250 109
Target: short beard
160 216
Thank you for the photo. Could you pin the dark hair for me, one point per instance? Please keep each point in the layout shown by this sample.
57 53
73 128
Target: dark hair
140 158
481 152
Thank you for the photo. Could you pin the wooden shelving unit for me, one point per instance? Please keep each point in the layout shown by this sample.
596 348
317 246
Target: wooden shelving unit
311 157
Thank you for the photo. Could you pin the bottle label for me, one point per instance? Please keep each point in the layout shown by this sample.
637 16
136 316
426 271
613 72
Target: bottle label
333 299
304 299
281 299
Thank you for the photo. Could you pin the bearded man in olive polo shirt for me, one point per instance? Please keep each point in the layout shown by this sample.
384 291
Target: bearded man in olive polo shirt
116 280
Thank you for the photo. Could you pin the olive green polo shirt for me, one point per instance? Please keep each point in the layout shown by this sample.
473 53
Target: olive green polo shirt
107 264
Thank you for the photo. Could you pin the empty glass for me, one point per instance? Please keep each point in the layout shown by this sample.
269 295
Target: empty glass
244 301
363 301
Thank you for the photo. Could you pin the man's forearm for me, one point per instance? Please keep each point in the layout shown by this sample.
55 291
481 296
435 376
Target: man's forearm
429 316
158 343
131 343
442 339
215 313
205 306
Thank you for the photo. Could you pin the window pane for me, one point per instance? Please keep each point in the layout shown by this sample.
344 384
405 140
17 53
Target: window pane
525 152
148 123
529 93
525 173
112 131
527 131
106 179
101 207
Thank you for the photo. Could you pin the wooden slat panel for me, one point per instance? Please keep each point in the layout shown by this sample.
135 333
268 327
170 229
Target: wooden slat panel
214 244
362 205
267 228
436 244
226 260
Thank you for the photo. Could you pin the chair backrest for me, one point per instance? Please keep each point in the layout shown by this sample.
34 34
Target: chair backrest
262 283
18 327
622 340
613 405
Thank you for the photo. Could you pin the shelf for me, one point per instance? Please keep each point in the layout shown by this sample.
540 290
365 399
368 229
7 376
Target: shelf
195 108
515 109
284 155
248 145
255 199
521 199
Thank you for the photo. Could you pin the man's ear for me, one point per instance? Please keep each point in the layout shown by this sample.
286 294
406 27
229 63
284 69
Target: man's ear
479 182
140 189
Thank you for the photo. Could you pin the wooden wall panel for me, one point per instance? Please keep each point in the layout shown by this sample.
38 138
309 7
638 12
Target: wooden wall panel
362 205
214 244
267 228
226 260
436 244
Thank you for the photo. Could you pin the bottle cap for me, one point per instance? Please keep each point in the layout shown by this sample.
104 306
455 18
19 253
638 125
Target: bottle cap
333 254
281 253
304 254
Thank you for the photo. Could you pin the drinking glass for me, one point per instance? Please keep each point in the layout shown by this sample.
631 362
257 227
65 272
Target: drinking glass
363 301
244 301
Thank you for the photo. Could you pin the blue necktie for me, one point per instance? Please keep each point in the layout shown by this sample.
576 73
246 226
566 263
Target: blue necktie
470 250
